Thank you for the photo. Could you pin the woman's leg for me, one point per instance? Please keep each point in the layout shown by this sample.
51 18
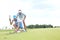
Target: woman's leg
16 27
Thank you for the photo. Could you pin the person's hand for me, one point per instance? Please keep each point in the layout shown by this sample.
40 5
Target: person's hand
9 18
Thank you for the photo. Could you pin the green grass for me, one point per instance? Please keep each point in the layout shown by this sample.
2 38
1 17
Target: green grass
32 34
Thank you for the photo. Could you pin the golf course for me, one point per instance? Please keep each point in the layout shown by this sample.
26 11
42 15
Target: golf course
32 34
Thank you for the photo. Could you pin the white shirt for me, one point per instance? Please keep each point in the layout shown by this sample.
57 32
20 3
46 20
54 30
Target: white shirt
20 17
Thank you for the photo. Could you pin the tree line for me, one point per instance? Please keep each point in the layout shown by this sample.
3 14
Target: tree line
40 26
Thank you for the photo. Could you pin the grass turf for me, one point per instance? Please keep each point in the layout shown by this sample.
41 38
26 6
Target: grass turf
32 34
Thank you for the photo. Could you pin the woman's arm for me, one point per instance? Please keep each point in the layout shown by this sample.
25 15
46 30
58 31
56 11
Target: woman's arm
10 20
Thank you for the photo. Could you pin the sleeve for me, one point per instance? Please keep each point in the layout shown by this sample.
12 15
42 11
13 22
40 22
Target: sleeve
17 15
24 15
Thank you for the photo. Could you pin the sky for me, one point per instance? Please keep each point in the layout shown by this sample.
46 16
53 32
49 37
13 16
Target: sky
37 11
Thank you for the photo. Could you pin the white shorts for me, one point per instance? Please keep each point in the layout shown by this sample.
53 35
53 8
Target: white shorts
19 20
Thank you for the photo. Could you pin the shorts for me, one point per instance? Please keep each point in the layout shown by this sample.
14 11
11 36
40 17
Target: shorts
20 24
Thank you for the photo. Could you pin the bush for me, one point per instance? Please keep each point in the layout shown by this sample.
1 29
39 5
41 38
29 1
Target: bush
39 26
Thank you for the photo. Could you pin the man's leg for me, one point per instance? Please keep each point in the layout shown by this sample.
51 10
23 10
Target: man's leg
24 25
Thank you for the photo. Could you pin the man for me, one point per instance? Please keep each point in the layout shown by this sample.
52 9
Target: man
21 18
15 23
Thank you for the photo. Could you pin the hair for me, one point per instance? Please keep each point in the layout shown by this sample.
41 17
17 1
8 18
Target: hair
19 10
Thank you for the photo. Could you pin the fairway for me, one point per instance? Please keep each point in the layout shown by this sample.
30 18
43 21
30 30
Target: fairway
32 34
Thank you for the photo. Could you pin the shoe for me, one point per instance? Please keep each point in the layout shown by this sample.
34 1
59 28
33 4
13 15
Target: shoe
18 31
24 30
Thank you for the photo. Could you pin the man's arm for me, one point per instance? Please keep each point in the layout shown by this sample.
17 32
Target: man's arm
24 17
